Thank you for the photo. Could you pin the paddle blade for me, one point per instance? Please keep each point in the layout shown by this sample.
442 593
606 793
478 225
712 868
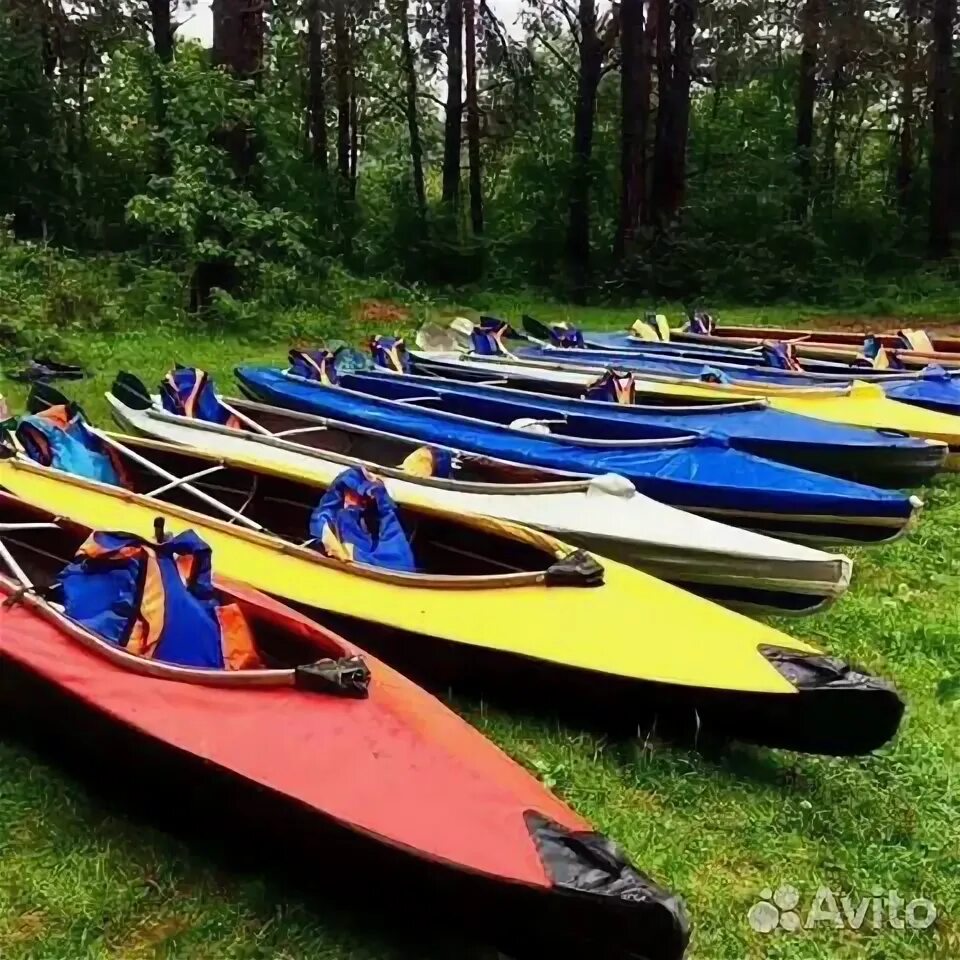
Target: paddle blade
42 396
131 391
537 329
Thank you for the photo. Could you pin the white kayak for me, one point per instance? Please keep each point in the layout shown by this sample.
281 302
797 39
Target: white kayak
605 514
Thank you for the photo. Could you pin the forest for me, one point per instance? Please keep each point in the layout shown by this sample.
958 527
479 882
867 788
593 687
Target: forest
681 149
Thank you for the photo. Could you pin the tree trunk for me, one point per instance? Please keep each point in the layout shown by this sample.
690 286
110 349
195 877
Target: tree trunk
684 22
905 156
634 111
955 154
473 117
413 117
238 41
454 105
829 172
588 80
810 25
940 83
660 12
161 28
354 132
341 47
316 86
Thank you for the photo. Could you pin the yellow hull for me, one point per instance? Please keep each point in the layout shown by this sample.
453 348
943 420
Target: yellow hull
633 626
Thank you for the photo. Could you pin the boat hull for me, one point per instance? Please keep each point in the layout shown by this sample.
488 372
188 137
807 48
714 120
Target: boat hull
859 405
709 478
718 656
737 568
866 456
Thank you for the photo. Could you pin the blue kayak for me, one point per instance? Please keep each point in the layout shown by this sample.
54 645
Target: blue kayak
935 391
766 360
880 457
700 472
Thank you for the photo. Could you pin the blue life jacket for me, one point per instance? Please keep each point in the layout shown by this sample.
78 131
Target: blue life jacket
612 387
58 437
316 365
780 355
701 323
156 600
390 352
356 521
562 335
487 337
189 392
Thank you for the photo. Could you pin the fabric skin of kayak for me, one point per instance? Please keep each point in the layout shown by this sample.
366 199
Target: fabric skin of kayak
932 392
745 429
707 473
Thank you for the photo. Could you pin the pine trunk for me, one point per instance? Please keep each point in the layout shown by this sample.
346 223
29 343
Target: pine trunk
666 118
634 110
238 44
810 26
412 112
684 22
454 104
905 154
316 86
588 80
940 86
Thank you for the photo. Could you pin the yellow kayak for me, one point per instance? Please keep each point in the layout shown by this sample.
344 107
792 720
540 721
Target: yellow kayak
493 605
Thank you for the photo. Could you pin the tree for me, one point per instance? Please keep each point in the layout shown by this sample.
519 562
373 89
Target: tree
238 41
944 13
634 114
162 31
316 84
411 111
473 118
594 38
810 25
674 69
454 106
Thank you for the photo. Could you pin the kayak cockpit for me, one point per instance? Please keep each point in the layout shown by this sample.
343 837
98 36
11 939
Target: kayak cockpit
355 521
386 453
62 571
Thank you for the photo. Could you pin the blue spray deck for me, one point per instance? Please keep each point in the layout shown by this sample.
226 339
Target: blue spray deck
872 456
701 472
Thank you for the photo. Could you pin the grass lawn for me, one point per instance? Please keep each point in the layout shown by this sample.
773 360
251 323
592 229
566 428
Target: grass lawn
80 879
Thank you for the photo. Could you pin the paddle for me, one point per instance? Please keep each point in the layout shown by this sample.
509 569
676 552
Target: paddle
42 396
536 328
131 391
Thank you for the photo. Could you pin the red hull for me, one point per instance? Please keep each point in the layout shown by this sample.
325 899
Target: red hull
398 770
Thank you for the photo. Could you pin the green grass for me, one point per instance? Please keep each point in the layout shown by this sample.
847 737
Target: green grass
79 880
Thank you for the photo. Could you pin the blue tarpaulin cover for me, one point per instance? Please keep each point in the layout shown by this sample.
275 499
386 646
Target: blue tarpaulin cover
704 471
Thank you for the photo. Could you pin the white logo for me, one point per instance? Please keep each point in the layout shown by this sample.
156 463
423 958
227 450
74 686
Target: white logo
780 910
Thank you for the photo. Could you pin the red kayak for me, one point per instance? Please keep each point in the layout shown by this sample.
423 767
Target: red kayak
358 771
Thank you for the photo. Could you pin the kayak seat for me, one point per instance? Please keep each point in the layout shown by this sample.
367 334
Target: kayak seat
189 392
428 462
356 521
156 600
